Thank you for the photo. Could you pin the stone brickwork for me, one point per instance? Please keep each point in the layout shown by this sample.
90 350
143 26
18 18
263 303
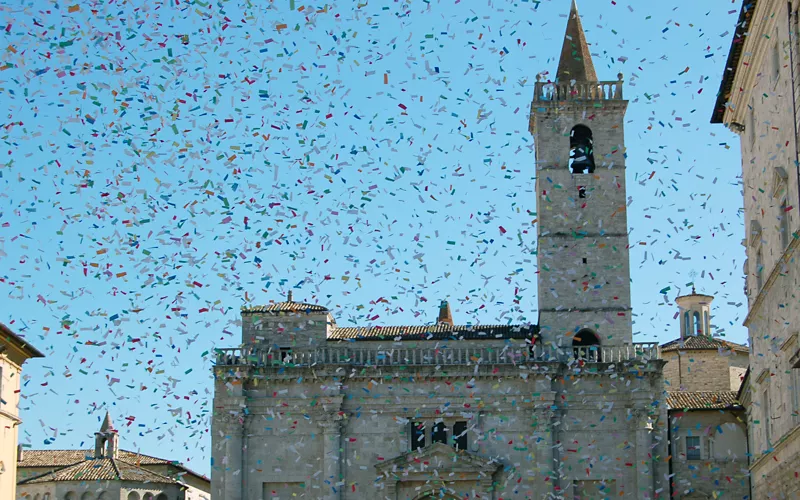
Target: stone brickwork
763 85
706 370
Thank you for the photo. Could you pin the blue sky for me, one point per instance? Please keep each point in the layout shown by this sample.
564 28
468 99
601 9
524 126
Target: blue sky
166 163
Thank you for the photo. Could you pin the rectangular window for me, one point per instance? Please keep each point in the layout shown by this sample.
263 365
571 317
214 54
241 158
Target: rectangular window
795 391
766 421
439 433
785 230
776 61
417 435
460 435
692 447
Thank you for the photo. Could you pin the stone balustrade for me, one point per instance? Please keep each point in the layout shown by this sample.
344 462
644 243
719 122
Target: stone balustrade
434 356
590 91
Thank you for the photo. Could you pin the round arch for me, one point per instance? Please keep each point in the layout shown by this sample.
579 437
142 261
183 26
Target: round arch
586 345
581 150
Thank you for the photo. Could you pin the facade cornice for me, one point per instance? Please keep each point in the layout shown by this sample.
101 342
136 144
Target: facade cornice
762 22
790 436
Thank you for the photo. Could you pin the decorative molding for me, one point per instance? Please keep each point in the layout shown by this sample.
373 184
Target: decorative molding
789 342
773 276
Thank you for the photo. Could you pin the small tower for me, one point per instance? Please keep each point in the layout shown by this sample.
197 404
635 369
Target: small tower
105 440
445 316
695 314
584 271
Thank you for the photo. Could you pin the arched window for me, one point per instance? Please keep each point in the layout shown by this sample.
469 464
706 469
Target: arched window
706 323
133 496
687 325
148 496
581 150
698 327
103 496
70 496
87 496
585 346
759 270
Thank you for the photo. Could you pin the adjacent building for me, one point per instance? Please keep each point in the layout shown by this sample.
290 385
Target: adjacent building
568 408
759 98
105 473
707 424
14 351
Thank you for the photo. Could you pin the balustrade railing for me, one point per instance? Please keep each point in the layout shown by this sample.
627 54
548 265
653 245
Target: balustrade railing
434 356
592 91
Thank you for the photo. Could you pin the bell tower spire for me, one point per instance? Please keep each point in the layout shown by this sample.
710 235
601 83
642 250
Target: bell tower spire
582 255
576 61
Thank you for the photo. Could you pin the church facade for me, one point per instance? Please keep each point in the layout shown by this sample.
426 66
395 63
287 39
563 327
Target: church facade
569 408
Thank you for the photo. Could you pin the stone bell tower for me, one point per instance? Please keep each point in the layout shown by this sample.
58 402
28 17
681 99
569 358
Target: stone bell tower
584 274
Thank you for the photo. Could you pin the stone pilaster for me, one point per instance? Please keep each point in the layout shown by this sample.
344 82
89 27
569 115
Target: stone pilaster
331 428
233 463
644 465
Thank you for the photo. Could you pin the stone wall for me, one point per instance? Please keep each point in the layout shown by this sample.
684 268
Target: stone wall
761 105
583 258
324 430
703 370
722 469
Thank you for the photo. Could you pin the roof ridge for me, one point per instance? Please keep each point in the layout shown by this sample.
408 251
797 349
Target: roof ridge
148 470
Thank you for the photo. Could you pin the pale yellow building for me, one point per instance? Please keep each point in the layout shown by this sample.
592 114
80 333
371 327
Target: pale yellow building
14 351
759 99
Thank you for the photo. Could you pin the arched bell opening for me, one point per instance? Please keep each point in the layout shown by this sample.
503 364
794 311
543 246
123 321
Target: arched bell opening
586 345
581 150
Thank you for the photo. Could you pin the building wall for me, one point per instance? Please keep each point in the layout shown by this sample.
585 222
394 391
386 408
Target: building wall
704 370
761 102
582 258
99 490
9 425
302 430
722 469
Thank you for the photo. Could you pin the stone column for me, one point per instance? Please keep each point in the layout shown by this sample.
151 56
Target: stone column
644 462
332 458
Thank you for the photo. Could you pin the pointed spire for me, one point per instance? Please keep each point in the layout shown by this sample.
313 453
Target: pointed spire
445 316
576 61
108 425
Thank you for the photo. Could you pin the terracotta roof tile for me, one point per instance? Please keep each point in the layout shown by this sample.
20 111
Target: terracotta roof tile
101 469
702 342
61 458
291 307
704 400
433 332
